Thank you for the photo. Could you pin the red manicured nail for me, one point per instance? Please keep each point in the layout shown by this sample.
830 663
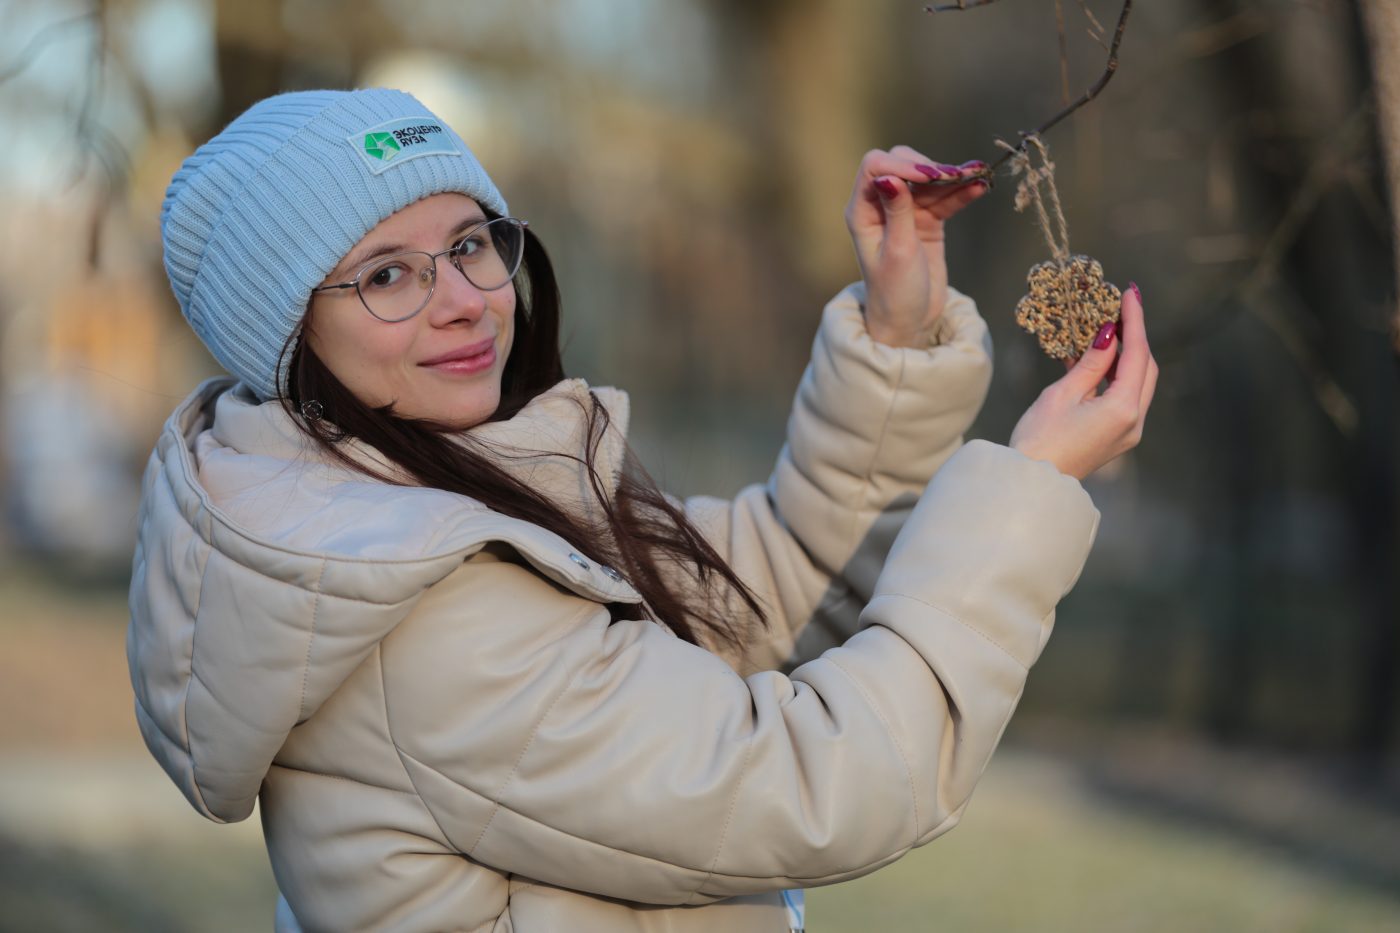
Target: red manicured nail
1104 337
1137 292
887 188
973 165
949 169
930 170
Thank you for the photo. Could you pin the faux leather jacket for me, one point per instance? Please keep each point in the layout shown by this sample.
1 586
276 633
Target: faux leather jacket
448 729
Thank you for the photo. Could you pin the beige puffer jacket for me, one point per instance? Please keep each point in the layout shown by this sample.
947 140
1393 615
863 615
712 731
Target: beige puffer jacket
446 732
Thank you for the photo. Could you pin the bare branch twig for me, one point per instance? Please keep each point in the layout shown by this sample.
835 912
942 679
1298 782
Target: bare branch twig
1111 68
1328 169
1321 174
1096 32
960 5
1064 50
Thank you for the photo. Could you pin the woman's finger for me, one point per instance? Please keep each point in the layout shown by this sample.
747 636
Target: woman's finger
1132 364
948 171
877 163
908 152
945 207
928 169
1089 370
866 211
903 162
898 207
1149 388
944 203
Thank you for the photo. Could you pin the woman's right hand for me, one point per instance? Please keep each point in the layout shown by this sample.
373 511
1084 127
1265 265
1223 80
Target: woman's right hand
1076 428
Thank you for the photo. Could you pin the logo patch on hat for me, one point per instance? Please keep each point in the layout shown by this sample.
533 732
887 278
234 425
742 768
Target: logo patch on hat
381 145
393 143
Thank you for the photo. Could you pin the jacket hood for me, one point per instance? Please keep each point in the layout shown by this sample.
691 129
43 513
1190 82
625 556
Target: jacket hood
265 572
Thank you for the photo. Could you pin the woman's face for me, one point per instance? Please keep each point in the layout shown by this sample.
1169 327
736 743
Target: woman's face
404 362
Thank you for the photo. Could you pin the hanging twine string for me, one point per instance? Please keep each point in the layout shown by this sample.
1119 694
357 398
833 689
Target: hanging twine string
1028 192
1068 299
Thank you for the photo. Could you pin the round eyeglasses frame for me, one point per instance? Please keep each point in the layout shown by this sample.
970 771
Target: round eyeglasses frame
451 252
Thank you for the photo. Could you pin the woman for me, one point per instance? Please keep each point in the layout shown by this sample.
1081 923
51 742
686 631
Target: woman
401 583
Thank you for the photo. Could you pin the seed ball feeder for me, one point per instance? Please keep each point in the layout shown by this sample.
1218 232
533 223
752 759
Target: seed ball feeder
1067 298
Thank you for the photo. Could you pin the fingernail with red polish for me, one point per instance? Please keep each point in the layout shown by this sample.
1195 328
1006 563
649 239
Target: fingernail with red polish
929 170
887 188
1137 292
1104 337
949 169
973 165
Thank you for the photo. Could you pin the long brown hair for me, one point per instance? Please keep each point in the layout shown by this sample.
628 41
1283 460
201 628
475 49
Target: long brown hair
641 530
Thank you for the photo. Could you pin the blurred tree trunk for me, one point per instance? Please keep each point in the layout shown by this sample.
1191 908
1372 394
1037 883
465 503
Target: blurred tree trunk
1382 22
1319 291
815 72
259 56
829 112
1379 460
251 46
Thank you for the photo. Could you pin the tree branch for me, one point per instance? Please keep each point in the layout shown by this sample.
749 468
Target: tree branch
1064 50
1110 69
1096 27
1252 291
960 5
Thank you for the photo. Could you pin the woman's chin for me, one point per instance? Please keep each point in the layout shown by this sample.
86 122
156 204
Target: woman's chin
458 411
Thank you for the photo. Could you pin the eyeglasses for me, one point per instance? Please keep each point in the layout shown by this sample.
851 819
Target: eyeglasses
395 288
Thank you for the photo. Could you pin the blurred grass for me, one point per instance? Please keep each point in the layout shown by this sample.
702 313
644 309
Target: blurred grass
1039 850
1084 834
181 888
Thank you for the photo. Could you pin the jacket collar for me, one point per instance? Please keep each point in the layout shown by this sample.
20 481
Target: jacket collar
246 532
543 445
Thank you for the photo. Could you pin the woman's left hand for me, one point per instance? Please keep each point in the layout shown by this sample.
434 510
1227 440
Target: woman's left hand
898 234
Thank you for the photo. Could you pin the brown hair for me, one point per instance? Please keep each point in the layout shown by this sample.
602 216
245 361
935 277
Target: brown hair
641 530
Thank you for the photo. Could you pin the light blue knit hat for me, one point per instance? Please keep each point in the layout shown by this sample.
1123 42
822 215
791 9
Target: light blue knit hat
258 215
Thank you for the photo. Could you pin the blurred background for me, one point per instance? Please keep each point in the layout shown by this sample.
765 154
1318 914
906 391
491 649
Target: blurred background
1211 739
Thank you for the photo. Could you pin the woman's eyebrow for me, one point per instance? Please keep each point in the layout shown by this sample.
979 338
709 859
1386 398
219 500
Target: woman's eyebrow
388 249
374 252
467 224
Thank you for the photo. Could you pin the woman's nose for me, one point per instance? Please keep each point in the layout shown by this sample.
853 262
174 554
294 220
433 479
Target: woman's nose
454 298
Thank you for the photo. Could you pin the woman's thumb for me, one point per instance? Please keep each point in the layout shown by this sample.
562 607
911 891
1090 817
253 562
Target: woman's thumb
1094 365
898 206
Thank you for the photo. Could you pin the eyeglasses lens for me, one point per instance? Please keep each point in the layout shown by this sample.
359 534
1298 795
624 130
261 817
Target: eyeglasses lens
398 287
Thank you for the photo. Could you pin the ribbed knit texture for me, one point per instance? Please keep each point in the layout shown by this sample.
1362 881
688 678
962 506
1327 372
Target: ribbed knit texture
261 213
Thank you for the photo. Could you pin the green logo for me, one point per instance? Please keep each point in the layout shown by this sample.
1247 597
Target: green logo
382 146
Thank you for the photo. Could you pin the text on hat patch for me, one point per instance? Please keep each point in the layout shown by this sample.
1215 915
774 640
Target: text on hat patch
397 141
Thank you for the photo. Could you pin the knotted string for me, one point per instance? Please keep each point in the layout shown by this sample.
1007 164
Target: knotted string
1028 192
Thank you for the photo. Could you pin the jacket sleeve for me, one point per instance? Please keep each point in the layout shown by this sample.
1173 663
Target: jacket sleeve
619 760
870 425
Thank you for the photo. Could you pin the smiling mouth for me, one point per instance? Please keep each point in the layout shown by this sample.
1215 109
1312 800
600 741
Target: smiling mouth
472 359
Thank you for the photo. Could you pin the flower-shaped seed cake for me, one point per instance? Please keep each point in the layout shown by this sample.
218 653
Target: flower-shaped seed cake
1065 307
